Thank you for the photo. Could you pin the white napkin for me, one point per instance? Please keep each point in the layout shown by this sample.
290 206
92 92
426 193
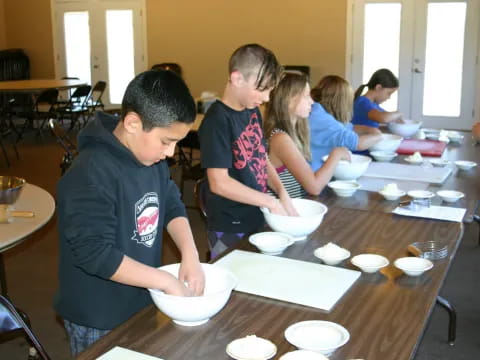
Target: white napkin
434 212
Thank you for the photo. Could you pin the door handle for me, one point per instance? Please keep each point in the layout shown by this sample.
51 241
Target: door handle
418 71
96 66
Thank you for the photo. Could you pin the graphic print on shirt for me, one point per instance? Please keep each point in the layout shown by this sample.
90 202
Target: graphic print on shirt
146 219
249 149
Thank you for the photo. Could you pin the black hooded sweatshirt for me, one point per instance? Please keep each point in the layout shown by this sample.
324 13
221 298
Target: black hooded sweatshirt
109 205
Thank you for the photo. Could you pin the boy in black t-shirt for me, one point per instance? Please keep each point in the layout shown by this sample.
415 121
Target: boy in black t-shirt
233 150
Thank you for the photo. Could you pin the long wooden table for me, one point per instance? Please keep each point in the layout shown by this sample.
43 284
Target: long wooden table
385 313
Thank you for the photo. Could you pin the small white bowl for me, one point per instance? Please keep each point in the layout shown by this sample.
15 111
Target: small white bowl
317 335
271 243
450 196
413 266
344 188
370 263
251 348
328 259
383 156
413 161
391 196
421 194
455 136
465 165
303 355
439 162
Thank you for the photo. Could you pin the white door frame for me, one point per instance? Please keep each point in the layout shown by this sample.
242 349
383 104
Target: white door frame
87 5
354 46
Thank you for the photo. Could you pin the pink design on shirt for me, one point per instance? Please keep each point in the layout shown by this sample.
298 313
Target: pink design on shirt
249 149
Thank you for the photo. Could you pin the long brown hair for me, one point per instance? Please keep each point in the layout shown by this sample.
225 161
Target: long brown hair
278 113
335 94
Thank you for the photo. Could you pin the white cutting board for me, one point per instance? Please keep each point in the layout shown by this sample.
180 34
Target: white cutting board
119 353
433 175
294 281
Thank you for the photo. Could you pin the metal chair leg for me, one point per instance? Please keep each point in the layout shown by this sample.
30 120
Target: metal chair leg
477 220
452 323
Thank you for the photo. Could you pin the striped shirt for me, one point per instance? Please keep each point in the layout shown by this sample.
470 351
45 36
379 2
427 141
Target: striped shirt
290 183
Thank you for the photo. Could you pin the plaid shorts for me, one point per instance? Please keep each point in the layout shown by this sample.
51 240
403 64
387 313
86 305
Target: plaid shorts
82 337
219 241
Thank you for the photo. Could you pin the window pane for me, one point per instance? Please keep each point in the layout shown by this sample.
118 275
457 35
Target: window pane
382 42
442 90
120 49
77 45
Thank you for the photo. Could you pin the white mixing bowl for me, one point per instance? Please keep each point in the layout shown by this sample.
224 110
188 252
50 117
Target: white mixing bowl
351 170
196 310
311 216
344 188
389 143
406 129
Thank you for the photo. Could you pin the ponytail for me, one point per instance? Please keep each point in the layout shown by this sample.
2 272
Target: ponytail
359 91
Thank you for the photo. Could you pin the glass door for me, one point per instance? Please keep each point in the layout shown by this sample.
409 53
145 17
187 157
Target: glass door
431 47
101 40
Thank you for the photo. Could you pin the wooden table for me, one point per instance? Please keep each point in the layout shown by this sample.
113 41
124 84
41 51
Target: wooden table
32 198
37 85
386 313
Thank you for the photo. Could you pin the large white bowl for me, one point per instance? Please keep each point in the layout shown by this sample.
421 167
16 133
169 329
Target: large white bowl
271 243
317 335
406 128
196 310
370 263
311 216
351 170
389 143
344 188
413 266
450 196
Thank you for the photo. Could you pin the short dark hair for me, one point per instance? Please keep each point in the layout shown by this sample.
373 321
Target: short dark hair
160 98
248 59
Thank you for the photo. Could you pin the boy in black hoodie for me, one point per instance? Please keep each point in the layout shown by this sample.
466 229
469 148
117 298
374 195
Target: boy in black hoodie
113 204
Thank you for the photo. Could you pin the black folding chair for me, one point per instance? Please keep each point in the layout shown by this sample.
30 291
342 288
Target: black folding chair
76 106
95 101
11 321
66 143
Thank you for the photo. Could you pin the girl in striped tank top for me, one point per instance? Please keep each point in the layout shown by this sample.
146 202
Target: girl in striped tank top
286 128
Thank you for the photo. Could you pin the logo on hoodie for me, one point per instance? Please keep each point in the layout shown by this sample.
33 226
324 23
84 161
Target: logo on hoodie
146 219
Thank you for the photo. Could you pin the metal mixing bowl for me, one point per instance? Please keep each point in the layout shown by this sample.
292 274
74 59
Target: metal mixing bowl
10 189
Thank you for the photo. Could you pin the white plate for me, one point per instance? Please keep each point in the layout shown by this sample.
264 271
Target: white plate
317 335
251 348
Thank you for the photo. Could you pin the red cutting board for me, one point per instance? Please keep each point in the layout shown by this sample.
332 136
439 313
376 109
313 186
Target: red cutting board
425 147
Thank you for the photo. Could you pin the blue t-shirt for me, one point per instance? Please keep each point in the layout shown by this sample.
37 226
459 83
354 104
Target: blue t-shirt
327 133
361 108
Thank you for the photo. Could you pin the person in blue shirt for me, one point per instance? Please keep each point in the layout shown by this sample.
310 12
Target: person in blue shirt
329 121
366 108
